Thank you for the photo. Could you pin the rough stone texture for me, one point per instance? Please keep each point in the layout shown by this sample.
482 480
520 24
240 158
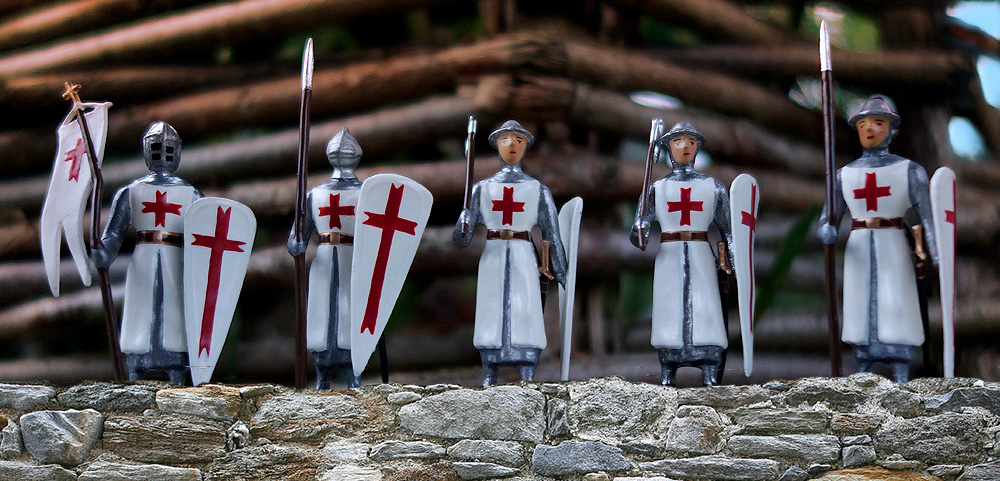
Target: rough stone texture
306 416
897 462
349 453
723 396
257 390
264 462
577 457
602 476
103 471
853 424
165 439
11 444
855 440
902 403
61 437
401 398
486 414
435 472
695 429
24 397
503 452
781 421
390 450
107 396
12 470
719 468
640 448
474 470
351 473
836 393
555 418
615 411
808 448
855 456
951 471
794 473
981 472
644 478
874 474
986 398
212 402
945 438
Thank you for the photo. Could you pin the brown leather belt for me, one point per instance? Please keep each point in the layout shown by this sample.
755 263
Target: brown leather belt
508 234
160 237
684 235
336 238
877 223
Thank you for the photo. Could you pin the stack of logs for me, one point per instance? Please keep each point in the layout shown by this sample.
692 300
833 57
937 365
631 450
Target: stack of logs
222 75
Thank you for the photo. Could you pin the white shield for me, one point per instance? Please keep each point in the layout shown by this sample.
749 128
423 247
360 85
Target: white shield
390 218
218 237
744 199
69 187
944 214
569 232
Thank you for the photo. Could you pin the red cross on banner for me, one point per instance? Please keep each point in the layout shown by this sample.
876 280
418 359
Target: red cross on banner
336 211
219 243
750 220
160 208
871 192
389 222
685 206
75 157
507 206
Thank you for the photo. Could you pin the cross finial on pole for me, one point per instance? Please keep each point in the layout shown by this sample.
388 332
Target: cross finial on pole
72 92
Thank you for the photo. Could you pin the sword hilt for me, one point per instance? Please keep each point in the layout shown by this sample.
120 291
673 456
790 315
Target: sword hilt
723 263
919 250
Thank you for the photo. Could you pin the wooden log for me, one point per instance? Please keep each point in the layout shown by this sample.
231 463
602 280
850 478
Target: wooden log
987 117
973 36
8 7
714 20
20 280
197 28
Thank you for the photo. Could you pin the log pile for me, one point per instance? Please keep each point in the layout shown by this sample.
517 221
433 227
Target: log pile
225 75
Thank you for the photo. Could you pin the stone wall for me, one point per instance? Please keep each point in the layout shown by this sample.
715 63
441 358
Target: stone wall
849 429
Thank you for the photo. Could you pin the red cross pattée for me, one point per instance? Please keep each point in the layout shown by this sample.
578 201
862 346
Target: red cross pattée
160 208
336 211
389 222
685 206
75 157
750 220
219 243
507 206
871 192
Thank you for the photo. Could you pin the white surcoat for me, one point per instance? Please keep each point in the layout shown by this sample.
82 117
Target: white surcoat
330 274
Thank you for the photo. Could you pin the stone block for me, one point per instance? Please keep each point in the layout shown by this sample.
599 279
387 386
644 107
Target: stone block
723 396
577 457
643 478
695 429
103 471
346 453
781 421
945 438
856 440
473 470
168 440
855 456
615 411
440 471
874 474
11 445
508 413
954 401
856 424
402 398
12 470
555 418
349 472
808 448
507 453
720 468
981 472
109 397
641 448
213 402
794 473
270 461
25 397
307 416
390 450
839 393
61 437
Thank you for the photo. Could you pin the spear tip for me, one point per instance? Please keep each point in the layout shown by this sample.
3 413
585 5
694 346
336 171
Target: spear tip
307 65
824 48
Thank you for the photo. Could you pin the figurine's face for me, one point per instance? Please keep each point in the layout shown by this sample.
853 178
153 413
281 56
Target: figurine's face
511 147
683 148
872 131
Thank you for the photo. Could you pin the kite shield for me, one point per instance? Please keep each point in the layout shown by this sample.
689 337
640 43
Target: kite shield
943 188
569 232
744 199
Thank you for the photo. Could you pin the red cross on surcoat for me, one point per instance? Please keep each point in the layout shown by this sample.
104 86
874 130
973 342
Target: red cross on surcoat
507 206
160 208
219 243
335 211
75 157
389 222
871 192
750 220
685 206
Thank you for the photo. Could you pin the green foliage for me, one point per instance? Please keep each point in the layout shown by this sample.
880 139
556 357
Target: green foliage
654 32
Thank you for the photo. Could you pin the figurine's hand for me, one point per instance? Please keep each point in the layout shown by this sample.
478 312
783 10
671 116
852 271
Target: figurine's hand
102 259
827 234
463 229
640 233
296 248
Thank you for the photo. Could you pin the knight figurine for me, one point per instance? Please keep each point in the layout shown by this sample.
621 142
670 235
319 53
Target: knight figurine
509 330
881 316
331 213
688 327
153 336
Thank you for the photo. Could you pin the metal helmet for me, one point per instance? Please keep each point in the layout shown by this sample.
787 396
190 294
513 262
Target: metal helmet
343 150
679 129
161 147
511 127
876 106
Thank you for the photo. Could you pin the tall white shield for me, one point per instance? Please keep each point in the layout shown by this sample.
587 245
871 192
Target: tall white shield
942 189
218 237
569 232
744 200
390 219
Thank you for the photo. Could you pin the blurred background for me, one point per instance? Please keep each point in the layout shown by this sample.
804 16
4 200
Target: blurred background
585 76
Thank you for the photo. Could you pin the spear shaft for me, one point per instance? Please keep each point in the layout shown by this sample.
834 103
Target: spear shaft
655 130
300 217
826 76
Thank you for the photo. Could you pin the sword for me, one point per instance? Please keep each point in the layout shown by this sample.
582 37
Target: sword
826 72
655 130
72 93
470 164
300 217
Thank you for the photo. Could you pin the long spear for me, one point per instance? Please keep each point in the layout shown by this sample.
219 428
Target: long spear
826 75
300 217
72 93
470 167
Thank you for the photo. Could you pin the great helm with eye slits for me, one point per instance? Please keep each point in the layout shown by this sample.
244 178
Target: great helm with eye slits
161 147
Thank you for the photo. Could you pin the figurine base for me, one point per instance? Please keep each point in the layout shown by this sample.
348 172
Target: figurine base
707 358
897 356
174 364
524 358
329 362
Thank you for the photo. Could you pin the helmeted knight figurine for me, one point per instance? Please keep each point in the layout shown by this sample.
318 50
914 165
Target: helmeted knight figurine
688 327
509 329
153 334
331 213
881 317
